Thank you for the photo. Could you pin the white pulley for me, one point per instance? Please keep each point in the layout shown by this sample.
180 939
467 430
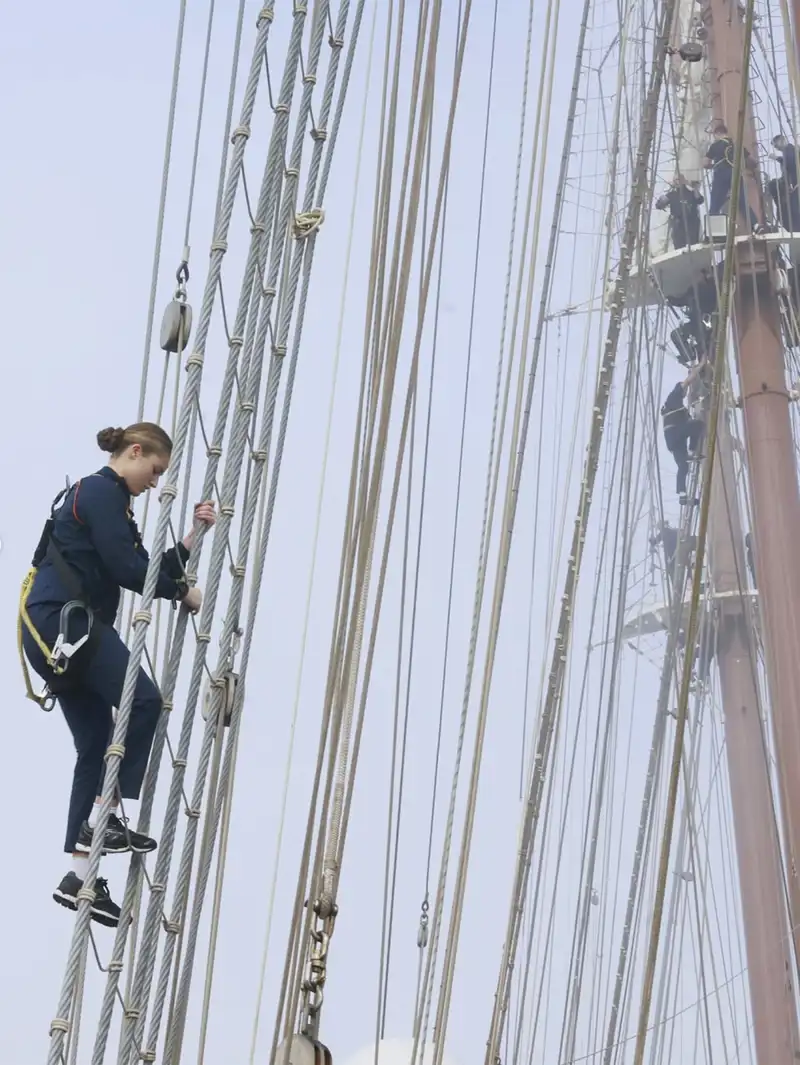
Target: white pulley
176 325
304 1051
228 695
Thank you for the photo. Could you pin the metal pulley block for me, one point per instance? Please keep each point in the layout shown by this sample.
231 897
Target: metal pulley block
302 1050
691 51
176 325
231 681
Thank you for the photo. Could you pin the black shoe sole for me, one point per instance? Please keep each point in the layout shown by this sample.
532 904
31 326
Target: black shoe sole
66 900
82 848
70 903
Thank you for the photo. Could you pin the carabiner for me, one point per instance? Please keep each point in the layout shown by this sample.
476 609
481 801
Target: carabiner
62 650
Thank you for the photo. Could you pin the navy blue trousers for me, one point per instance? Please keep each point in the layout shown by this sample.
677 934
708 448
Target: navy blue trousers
720 194
93 689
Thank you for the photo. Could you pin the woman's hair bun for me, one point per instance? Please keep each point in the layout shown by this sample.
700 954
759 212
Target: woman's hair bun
110 440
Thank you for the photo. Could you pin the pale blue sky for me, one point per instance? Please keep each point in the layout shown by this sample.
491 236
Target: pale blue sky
86 92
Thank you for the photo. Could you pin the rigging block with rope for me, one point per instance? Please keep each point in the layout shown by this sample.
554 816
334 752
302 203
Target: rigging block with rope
176 325
300 1050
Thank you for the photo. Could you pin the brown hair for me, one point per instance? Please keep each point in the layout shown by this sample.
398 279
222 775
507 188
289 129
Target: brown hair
150 437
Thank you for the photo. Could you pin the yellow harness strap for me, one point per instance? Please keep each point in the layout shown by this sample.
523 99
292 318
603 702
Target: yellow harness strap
24 618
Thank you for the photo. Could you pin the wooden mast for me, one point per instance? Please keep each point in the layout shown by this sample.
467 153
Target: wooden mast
776 527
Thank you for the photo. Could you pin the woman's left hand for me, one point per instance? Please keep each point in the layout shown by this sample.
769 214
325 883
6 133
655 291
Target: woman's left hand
206 513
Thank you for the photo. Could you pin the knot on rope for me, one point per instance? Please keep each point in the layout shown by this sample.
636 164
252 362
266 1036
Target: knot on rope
116 965
170 491
270 290
114 750
180 763
308 222
236 341
336 42
173 927
195 359
281 109
310 79
240 131
259 456
167 706
258 227
279 350
247 405
292 172
132 1013
238 571
192 812
214 449
266 14
85 894
59 1024
319 133
142 615
157 887
228 510
148 1055
301 8
204 637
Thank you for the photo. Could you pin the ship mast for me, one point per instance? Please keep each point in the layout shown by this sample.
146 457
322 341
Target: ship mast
767 945
776 520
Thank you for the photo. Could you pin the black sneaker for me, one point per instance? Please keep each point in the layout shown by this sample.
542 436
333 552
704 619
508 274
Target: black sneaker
119 839
104 910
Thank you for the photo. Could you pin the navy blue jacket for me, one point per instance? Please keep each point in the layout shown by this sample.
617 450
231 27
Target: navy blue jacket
97 536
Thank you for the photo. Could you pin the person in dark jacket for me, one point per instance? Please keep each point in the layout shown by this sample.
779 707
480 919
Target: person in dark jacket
93 551
783 190
682 201
719 160
682 433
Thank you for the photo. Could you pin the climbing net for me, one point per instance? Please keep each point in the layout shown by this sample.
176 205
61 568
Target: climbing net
244 451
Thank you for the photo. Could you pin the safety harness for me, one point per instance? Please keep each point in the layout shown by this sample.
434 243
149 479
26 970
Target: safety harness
60 656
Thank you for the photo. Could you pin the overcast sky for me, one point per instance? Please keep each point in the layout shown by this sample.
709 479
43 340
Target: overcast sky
86 90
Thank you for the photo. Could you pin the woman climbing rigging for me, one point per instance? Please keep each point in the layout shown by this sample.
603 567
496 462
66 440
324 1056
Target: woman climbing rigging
89 551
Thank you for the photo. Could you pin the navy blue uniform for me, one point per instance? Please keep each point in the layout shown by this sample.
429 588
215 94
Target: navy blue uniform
721 155
97 536
681 433
683 204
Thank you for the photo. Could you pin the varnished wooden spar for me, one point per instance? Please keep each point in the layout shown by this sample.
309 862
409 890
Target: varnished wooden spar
776 517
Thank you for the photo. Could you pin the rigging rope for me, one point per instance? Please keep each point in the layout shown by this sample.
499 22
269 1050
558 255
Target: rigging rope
602 395
719 367
134 1018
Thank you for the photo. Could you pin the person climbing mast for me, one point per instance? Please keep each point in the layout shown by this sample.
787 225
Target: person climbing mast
682 433
90 549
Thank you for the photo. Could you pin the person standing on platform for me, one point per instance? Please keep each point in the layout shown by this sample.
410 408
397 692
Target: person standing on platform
719 160
682 201
784 189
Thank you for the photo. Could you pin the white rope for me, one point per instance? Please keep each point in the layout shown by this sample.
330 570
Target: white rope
315 543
